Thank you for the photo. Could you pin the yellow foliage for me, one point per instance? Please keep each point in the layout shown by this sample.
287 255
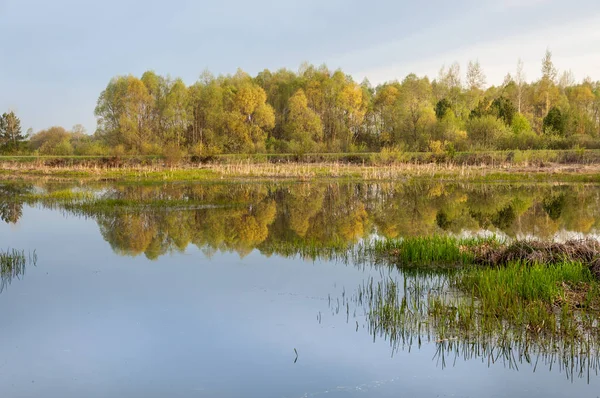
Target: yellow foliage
437 147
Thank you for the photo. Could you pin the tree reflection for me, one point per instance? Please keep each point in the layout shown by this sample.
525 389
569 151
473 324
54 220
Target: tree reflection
11 204
276 218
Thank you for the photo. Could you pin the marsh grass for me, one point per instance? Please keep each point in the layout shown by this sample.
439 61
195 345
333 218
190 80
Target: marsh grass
60 196
386 156
520 282
586 251
238 168
512 315
536 302
12 265
436 250
90 201
492 251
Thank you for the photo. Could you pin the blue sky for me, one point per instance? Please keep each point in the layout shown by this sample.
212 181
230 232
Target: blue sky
57 56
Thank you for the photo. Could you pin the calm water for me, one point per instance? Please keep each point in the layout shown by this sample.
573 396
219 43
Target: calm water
201 290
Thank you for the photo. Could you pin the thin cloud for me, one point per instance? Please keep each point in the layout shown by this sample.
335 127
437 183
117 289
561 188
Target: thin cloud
570 44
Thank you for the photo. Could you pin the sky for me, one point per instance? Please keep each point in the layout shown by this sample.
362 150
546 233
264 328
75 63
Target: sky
57 56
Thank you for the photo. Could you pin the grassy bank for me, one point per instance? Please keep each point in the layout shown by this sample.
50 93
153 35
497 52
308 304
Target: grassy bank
250 169
538 314
537 158
489 252
498 294
541 309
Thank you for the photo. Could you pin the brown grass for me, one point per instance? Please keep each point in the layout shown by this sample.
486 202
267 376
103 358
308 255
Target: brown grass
585 251
302 171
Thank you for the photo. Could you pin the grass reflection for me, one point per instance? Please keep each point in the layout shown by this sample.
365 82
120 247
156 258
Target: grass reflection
12 265
544 315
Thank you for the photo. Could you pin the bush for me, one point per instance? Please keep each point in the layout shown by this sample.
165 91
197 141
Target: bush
64 148
118 151
436 147
300 147
151 149
556 141
92 148
389 155
52 141
524 140
520 124
173 154
585 141
555 122
484 131
197 150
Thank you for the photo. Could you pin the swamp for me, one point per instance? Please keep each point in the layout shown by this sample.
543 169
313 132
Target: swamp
285 288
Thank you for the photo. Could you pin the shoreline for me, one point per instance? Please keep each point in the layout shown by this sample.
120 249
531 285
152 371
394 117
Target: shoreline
299 171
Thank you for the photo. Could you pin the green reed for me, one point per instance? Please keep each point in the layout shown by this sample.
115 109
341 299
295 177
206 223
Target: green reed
547 314
521 281
427 250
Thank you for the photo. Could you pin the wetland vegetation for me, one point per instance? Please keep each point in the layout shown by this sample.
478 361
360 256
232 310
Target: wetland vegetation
540 314
503 273
12 265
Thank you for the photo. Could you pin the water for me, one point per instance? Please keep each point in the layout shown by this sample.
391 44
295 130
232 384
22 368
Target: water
205 294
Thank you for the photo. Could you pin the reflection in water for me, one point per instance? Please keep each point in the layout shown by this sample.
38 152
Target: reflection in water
315 219
11 203
305 218
12 266
422 307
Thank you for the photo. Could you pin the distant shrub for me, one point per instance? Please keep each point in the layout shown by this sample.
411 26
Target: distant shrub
524 140
173 154
118 151
151 149
197 150
436 147
555 122
484 131
520 124
389 155
555 141
92 148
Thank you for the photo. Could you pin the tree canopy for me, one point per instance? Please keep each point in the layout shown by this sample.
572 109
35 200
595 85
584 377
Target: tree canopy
321 110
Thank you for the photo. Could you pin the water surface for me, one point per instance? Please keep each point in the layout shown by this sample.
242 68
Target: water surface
227 290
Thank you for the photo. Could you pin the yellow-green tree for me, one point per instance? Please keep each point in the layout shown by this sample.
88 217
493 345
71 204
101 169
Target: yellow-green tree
248 117
303 126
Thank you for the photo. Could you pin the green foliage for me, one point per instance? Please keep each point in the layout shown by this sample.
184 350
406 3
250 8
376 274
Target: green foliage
555 122
504 109
482 109
442 107
10 132
53 141
520 124
389 155
525 140
303 127
519 281
173 154
317 109
484 131
429 250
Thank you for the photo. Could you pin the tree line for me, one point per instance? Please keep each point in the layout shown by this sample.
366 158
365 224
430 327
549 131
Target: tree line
319 110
